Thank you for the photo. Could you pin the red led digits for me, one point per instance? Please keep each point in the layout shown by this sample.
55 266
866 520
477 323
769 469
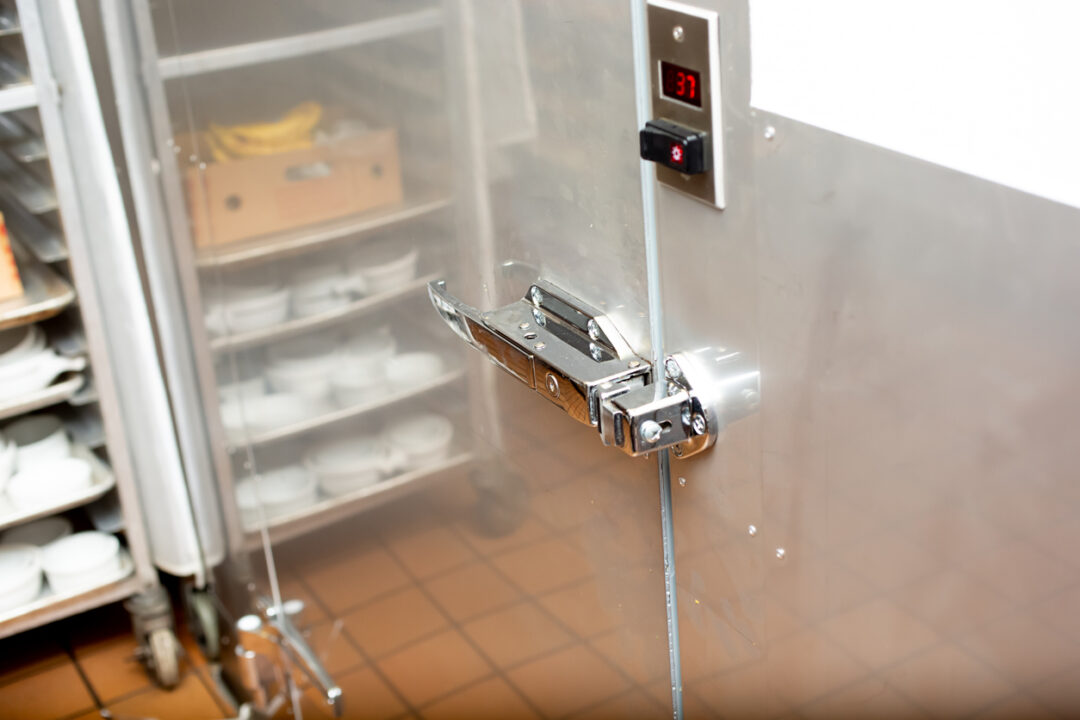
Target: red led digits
679 83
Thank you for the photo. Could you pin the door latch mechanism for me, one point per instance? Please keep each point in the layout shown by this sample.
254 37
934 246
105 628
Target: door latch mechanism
572 354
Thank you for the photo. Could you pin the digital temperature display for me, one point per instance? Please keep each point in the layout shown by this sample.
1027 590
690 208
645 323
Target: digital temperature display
679 83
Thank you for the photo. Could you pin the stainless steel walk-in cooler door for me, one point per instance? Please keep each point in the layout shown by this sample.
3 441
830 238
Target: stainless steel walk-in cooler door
773 425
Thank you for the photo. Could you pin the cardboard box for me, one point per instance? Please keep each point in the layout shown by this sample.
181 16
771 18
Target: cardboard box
10 283
244 199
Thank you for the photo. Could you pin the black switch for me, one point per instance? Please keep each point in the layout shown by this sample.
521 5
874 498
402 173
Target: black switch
676 147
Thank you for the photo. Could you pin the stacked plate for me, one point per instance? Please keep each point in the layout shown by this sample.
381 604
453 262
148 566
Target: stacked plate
36 453
27 364
47 551
247 302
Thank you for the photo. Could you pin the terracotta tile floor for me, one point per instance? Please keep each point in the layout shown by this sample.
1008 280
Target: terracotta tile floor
85 666
420 617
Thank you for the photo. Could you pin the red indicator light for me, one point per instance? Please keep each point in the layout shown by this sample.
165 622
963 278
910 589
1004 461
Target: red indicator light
678 155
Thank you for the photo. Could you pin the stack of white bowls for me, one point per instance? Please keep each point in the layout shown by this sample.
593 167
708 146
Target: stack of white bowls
249 302
245 304
20 574
344 466
45 472
81 561
319 287
275 493
421 439
46 549
360 376
382 266
303 366
27 365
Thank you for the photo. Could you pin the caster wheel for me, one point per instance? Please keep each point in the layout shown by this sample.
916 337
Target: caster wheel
164 657
203 622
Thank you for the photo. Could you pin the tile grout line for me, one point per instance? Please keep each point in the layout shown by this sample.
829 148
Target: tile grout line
531 598
368 660
70 652
496 669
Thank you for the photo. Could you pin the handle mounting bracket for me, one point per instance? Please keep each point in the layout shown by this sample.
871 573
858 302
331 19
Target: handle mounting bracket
571 353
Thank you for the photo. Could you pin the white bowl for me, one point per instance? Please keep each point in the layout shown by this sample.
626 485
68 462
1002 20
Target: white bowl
304 369
347 465
357 385
20 575
38 438
49 482
319 288
311 382
268 412
410 369
367 351
32 371
81 561
39 533
423 439
20 341
242 389
257 312
383 266
279 491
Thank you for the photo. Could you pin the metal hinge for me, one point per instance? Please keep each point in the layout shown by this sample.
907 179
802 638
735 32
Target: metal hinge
572 354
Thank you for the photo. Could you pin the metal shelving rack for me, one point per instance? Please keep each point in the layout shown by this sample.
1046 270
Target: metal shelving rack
57 203
177 269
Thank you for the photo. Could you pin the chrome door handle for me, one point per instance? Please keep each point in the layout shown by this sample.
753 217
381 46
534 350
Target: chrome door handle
572 354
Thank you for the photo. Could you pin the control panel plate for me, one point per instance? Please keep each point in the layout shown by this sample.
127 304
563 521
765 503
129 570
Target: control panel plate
684 42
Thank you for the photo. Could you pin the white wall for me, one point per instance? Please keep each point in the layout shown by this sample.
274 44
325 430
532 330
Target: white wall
988 87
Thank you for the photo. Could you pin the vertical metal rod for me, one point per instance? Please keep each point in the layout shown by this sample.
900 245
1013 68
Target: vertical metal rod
643 95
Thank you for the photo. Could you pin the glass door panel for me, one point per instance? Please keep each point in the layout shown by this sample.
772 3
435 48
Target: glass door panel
458 543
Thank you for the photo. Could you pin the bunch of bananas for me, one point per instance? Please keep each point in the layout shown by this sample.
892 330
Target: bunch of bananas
292 132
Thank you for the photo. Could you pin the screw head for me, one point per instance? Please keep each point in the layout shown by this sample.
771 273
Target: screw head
523 326
682 482
780 553
671 366
752 530
594 329
633 364
595 351
536 295
539 346
770 132
699 424
553 385
678 33
539 317
651 431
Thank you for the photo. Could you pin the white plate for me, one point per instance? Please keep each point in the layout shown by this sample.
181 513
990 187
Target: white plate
48 597
103 481
64 389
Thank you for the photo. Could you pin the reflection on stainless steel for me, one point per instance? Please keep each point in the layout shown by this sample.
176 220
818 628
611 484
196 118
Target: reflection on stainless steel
892 534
